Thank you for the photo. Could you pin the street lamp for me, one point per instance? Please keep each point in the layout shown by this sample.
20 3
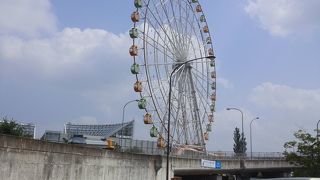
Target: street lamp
178 65
318 131
241 125
251 135
123 111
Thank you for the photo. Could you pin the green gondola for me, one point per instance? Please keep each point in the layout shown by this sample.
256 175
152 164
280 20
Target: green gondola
153 131
202 18
133 33
209 127
208 40
212 64
135 68
212 108
213 86
138 3
142 104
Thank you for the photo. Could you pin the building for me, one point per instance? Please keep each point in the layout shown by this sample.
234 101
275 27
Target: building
29 129
124 130
55 136
90 134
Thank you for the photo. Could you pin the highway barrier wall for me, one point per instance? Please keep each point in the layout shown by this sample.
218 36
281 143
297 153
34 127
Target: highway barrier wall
27 159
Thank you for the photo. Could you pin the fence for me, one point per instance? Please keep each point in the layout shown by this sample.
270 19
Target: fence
150 148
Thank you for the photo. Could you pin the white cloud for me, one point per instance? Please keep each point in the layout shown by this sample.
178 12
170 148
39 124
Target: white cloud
284 110
26 17
91 66
225 83
285 17
65 49
285 97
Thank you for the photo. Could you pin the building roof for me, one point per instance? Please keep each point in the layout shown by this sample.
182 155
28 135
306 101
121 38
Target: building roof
108 130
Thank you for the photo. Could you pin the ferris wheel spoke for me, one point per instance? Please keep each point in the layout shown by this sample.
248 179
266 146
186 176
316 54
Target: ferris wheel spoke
160 83
197 115
177 76
175 28
185 25
201 73
179 33
164 42
153 42
163 29
201 97
177 116
203 102
201 84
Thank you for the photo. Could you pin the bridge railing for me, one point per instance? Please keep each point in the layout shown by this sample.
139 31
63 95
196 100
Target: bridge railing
150 148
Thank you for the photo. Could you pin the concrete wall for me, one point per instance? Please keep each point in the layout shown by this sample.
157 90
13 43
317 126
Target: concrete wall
26 159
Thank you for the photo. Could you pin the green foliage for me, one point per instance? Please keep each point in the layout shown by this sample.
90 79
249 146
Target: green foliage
304 152
240 144
243 144
10 127
237 141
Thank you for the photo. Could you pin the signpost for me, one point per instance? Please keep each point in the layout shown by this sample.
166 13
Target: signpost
211 164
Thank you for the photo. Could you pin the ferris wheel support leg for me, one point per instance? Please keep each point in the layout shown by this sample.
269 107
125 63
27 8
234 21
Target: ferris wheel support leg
198 122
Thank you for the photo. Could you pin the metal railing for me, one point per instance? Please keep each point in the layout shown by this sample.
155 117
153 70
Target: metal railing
150 148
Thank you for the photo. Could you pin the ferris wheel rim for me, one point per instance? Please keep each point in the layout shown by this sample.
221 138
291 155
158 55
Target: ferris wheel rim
146 63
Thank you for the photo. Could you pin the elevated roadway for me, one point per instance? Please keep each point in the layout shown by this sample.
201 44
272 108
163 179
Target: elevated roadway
30 159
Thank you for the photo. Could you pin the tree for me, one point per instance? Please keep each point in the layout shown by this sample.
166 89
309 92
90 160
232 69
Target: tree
243 144
240 144
10 127
307 154
237 141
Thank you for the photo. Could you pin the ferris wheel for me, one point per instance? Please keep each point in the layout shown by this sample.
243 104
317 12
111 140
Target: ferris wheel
172 35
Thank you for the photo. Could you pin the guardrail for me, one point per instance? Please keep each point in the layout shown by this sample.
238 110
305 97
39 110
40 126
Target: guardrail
150 148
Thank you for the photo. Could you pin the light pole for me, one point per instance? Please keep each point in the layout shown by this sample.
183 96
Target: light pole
123 111
242 138
318 131
178 65
251 135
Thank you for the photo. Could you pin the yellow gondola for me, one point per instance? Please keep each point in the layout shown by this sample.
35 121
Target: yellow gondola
210 52
135 16
206 136
138 86
210 118
213 97
205 29
213 74
161 143
198 8
133 50
147 119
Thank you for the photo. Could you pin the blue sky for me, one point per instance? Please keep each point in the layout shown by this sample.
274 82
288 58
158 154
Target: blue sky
67 61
